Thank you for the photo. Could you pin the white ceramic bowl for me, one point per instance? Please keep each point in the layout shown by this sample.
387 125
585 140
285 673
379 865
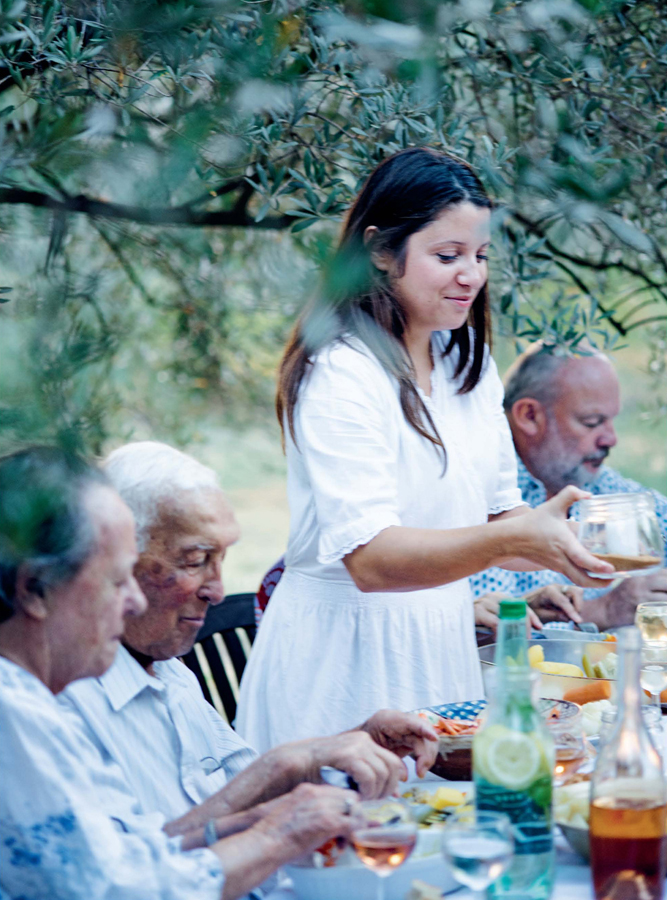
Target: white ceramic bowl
354 880
351 879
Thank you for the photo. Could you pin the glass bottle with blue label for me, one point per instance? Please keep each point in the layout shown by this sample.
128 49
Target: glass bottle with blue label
513 763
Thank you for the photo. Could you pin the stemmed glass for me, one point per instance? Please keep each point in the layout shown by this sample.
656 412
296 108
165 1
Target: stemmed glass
478 846
387 837
653 673
651 619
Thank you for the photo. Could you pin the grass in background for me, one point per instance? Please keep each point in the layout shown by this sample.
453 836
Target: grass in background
252 467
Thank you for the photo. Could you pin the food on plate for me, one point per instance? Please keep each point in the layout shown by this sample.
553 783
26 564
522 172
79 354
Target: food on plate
537 661
420 890
560 668
591 715
329 853
452 727
571 804
454 760
589 692
535 655
605 668
436 805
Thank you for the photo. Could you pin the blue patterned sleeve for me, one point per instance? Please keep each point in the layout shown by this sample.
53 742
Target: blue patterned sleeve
68 827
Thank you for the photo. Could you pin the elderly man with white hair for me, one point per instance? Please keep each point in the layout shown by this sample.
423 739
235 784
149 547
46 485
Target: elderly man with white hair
148 713
69 826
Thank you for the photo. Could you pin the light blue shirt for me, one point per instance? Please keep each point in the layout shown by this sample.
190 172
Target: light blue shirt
69 828
516 584
174 748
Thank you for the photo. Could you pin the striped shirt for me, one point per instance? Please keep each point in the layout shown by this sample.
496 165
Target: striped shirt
173 747
533 492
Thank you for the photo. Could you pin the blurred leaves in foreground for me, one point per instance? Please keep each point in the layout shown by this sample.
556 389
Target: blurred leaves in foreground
173 174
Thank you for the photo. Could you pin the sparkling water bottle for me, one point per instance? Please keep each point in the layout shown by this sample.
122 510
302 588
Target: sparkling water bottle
513 763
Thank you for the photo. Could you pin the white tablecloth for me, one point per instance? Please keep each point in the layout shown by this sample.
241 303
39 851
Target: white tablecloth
573 876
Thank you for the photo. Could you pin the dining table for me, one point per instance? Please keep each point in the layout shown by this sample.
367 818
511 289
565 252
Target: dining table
573 874
573 879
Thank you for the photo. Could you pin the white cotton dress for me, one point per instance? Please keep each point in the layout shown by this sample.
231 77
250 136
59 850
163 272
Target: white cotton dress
327 656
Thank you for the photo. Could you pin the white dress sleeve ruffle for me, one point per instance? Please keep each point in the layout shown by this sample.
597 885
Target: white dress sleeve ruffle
348 450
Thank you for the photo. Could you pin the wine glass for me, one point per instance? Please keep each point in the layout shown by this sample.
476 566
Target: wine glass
387 837
622 529
651 619
653 673
478 845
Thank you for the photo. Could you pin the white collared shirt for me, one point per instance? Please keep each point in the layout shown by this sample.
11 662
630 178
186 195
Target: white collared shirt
174 748
69 827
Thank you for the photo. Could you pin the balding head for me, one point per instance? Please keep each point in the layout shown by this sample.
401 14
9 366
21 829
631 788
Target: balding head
561 409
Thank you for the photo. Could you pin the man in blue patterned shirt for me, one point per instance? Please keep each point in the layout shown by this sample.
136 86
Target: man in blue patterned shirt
561 409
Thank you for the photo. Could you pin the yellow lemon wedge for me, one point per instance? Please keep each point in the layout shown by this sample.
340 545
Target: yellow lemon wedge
535 655
512 760
555 668
445 796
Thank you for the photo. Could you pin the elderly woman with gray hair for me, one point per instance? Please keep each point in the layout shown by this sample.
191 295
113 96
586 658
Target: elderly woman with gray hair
69 826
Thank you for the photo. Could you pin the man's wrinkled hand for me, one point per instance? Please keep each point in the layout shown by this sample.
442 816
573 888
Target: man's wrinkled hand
376 770
622 601
309 816
486 612
557 603
405 734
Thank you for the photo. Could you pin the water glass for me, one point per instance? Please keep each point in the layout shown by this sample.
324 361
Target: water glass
653 673
478 846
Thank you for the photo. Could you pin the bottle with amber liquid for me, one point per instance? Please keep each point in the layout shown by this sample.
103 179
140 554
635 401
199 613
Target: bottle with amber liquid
628 811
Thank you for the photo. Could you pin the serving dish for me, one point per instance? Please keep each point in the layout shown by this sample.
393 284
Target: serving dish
350 878
565 687
455 724
578 838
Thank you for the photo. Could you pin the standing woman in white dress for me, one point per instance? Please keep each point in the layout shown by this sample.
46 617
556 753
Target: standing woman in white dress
401 469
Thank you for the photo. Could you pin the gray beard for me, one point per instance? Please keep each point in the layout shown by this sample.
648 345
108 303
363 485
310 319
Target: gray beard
556 471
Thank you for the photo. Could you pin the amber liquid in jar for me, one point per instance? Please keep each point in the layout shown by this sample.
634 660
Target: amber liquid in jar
628 847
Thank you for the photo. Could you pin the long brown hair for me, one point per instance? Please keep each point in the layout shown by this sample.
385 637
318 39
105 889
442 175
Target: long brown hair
404 194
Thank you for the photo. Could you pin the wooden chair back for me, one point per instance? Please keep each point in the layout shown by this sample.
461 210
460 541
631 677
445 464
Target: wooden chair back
221 652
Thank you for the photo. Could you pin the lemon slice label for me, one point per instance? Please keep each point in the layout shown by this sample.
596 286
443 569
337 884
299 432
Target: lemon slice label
531 821
512 774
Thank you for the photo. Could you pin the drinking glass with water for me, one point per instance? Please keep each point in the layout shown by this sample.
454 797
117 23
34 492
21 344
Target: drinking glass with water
478 846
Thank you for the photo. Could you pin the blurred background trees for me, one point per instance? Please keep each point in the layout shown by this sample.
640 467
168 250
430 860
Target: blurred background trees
173 175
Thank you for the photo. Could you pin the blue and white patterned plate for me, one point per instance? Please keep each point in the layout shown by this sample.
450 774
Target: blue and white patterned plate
462 712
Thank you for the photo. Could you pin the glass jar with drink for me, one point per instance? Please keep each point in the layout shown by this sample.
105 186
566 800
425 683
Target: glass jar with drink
628 812
622 529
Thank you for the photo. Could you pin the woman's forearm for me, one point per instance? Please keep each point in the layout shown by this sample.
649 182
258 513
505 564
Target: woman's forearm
410 559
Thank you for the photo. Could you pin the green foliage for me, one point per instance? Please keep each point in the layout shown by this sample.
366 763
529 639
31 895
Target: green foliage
196 159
